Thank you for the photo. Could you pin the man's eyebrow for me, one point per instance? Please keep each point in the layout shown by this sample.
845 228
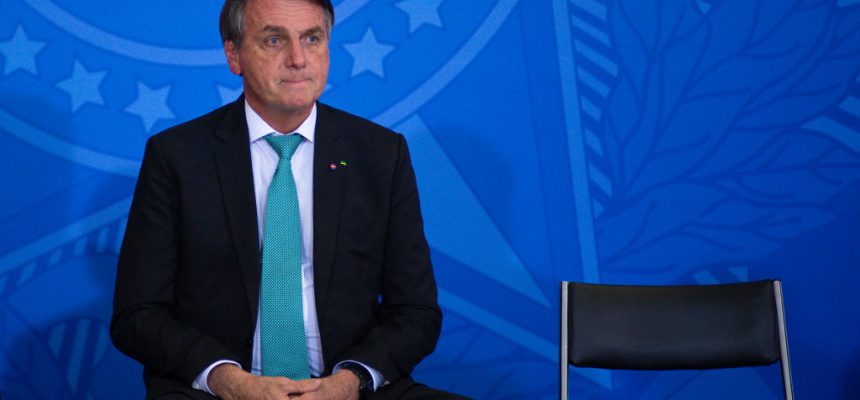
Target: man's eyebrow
282 31
313 31
273 29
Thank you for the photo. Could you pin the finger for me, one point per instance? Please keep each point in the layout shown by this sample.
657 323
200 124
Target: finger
306 396
304 386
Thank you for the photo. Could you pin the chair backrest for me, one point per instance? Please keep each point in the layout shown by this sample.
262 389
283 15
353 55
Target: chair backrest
673 327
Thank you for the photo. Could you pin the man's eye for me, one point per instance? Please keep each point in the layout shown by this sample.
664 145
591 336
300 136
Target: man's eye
313 39
273 41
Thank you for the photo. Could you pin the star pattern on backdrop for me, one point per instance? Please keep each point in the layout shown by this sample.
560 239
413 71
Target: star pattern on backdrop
19 52
368 54
79 76
421 12
83 86
151 105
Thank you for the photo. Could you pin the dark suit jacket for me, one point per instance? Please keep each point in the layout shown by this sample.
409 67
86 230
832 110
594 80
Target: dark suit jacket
189 270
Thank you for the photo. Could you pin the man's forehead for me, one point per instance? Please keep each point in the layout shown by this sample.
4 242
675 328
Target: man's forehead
266 6
267 14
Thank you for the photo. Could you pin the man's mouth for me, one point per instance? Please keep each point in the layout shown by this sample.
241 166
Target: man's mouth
294 81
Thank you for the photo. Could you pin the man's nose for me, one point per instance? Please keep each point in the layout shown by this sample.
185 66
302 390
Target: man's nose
295 55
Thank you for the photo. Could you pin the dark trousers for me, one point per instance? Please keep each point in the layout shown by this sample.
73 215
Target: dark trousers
407 389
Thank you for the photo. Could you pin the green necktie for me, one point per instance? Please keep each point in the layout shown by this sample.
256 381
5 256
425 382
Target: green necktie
283 345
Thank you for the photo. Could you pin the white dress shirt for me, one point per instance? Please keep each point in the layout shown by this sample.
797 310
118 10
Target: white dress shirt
264 162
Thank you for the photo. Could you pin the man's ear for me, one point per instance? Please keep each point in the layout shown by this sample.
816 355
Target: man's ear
232 53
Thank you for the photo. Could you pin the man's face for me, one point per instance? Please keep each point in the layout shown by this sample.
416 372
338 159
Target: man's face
284 56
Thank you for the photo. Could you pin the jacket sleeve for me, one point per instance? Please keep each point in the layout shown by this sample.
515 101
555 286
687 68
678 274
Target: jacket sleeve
409 319
143 324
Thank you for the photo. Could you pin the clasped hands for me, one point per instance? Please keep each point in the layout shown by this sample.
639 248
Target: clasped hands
230 382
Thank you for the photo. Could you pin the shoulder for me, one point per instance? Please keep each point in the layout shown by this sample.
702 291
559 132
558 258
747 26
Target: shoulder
370 147
205 127
354 128
191 142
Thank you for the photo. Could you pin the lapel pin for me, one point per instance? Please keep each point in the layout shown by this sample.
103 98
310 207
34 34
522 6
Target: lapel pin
343 163
332 166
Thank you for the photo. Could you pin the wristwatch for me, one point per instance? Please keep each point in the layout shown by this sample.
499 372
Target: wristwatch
365 385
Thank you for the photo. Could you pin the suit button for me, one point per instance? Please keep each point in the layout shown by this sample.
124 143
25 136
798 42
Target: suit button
249 343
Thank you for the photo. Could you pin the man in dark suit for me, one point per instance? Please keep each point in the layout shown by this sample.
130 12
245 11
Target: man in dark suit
188 292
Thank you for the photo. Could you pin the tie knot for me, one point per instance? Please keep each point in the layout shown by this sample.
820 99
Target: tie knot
284 145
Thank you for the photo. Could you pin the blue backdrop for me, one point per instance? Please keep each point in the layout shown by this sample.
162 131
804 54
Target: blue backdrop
623 141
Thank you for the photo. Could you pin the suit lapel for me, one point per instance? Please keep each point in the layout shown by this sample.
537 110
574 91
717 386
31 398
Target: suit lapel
330 179
233 161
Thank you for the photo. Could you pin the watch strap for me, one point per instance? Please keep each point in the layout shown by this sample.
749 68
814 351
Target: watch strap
364 377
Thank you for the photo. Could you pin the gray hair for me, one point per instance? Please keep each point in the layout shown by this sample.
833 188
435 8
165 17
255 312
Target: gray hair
232 22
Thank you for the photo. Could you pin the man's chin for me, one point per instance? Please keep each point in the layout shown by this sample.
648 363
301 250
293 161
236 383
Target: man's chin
293 107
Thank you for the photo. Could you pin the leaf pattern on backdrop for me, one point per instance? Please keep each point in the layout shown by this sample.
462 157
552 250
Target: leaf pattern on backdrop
17 380
703 132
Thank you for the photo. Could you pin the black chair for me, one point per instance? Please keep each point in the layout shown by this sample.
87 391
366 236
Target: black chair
673 327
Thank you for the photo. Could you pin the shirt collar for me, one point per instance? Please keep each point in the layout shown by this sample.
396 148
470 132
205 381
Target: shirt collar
258 128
